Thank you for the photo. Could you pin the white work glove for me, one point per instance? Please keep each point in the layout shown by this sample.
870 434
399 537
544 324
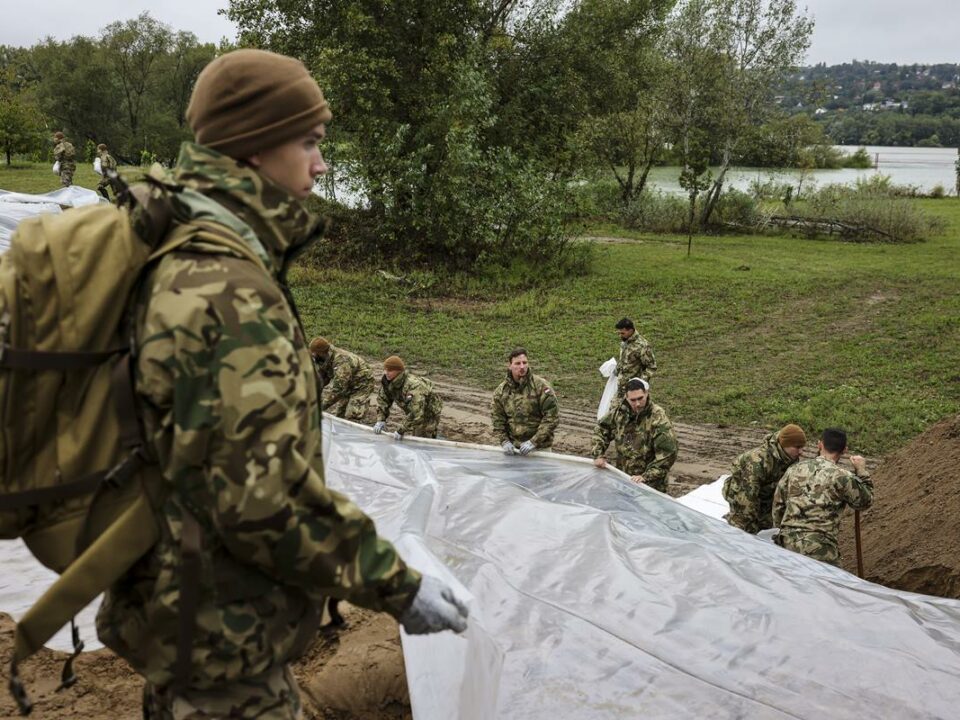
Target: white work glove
397 435
378 426
527 447
434 609
508 447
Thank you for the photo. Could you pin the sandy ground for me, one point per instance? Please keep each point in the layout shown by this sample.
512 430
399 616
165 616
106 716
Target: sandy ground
357 673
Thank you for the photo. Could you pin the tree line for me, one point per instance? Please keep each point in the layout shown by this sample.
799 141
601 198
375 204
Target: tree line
128 87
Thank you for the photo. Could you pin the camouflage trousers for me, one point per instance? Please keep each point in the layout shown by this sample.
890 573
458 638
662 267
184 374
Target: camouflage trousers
272 695
108 183
354 407
426 429
66 174
812 544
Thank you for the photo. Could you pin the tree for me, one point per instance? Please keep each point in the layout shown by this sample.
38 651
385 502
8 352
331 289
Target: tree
134 50
414 94
20 120
622 81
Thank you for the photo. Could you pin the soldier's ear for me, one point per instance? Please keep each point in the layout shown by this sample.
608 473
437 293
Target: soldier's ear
254 160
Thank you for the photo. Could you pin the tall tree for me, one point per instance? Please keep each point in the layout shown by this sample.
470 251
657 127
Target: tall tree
20 119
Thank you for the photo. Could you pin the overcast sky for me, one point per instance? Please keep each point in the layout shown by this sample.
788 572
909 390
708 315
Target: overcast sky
901 31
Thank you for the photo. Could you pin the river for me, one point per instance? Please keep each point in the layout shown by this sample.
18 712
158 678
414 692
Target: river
923 167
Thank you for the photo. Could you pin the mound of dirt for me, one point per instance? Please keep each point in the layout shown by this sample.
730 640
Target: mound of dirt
911 535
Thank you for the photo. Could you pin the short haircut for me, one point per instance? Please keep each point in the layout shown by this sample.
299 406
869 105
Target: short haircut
834 440
516 352
637 384
624 324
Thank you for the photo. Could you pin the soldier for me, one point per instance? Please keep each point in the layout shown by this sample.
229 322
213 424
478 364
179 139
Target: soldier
636 356
108 171
750 485
347 380
524 411
812 494
415 395
64 154
642 434
229 401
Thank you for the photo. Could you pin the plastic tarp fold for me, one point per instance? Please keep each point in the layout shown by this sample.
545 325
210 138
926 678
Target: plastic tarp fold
592 597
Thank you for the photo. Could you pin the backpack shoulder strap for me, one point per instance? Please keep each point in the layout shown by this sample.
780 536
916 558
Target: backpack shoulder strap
210 232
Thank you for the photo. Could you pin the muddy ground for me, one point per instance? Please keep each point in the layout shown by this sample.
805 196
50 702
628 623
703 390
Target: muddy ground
358 673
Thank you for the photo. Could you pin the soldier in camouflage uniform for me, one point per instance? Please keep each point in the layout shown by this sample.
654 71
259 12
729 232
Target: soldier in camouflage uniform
812 495
64 154
415 395
749 487
230 405
108 171
636 356
642 434
347 380
524 412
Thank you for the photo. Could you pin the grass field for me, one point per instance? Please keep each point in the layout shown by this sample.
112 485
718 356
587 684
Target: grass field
38 178
749 330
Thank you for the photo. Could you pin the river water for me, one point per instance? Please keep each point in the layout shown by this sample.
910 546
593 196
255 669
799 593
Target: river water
922 167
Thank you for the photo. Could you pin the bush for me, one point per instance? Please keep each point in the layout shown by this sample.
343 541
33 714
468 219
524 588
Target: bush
869 212
656 211
937 192
594 199
740 209
860 160
771 189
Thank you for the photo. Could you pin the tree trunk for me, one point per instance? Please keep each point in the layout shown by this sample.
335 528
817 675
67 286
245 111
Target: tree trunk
690 216
642 182
713 194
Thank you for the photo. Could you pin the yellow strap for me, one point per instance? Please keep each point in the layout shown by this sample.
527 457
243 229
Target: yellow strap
101 565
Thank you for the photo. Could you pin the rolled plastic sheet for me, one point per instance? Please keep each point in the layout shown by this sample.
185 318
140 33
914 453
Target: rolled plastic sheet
592 597
15 206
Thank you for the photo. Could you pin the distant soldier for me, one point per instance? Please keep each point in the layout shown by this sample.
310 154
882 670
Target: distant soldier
347 380
64 154
642 434
524 411
812 494
750 486
636 356
108 171
415 395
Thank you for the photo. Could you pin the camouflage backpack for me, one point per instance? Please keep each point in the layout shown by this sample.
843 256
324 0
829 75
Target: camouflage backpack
77 481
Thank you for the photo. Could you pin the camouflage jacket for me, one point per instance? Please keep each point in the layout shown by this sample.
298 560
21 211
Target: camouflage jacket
636 360
107 162
752 482
229 400
415 396
525 411
645 442
64 153
344 374
812 494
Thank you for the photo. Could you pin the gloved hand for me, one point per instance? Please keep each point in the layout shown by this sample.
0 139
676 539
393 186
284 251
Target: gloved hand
435 608
508 447
378 426
397 435
527 447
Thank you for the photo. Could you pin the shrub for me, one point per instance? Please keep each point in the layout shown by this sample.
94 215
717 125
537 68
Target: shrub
740 209
859 160
937 192
656 211
868 212
770 189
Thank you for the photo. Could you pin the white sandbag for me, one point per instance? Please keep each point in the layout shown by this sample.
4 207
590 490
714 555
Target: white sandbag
608 370
56 168
97 167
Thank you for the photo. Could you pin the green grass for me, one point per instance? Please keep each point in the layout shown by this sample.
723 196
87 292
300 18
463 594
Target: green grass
37 178
750 330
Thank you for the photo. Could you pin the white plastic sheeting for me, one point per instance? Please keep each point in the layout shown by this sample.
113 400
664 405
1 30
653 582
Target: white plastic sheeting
15 206
592 597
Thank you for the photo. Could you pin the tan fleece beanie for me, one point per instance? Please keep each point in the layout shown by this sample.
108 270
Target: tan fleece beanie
394 363
251 100
320 346
791 436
